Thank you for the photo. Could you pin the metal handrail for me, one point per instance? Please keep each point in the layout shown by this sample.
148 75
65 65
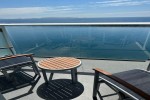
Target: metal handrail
79 24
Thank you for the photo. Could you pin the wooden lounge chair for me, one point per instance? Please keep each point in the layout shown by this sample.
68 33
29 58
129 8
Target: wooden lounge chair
129 85
13 76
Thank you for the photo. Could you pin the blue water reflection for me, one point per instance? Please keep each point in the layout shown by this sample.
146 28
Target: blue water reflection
123 43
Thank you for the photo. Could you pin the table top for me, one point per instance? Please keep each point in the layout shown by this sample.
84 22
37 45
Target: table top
59 63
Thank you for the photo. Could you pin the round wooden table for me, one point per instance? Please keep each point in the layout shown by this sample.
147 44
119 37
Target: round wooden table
59 64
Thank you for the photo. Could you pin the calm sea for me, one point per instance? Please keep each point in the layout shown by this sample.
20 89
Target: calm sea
76 20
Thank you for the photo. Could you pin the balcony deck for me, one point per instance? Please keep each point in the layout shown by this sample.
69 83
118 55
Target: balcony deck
85 78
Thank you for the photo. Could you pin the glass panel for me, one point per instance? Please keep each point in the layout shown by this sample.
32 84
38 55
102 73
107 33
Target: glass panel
3 45
123 43
4 52
2 41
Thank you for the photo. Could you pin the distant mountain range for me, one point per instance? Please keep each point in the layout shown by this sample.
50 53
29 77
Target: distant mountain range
76 20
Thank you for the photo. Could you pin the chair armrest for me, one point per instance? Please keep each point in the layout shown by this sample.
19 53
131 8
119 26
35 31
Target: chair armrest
102 71
24 54
14 56
124 83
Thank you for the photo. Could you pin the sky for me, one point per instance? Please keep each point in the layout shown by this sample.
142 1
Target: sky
12 9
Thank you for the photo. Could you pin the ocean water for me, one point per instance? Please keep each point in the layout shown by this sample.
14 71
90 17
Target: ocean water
92 42
77 20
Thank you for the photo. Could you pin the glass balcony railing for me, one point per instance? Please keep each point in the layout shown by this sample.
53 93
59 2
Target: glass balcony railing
5 45
92 41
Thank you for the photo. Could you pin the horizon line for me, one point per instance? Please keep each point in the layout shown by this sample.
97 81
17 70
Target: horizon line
81 17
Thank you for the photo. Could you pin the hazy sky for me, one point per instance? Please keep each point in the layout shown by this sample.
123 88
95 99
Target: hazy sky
74 8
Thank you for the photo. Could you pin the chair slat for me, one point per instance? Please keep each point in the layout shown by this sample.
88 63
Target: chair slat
124 83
